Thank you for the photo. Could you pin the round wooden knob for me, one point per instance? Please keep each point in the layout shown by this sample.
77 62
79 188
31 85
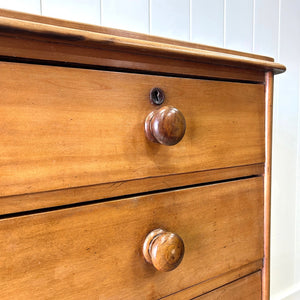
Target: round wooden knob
165 126
163 249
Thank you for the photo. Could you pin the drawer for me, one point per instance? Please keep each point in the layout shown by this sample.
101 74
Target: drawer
69 127
248 288
95 251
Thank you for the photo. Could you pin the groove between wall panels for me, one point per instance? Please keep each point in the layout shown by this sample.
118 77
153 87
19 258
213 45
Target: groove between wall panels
279 30
149 16
190 23
101 12
224 23
297 205
253 27
41 7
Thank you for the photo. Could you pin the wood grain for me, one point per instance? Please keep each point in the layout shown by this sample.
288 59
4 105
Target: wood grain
165 126
212 284
27 202
67 43
248 288
164 250
46 51
65 127
95 251
267 190
119 32
131 45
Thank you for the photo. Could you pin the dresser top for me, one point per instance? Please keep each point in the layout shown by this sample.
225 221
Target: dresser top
32 30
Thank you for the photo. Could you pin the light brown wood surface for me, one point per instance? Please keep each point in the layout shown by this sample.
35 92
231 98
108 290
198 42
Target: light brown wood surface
267 189
95 251
24 37
132 45
20 47
119 32
164 250
65 127
72 130
247 288
27 202
212 284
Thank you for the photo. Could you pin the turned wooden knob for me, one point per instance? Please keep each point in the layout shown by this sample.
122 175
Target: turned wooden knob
163 249
165 126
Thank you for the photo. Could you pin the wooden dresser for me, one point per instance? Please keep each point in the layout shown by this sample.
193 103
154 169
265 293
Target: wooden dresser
131 167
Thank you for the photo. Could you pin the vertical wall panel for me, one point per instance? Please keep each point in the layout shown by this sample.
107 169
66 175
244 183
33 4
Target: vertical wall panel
170 19
207 22
297 217
239 25
266 22
249 25
285 135
130 15
29 6
86 11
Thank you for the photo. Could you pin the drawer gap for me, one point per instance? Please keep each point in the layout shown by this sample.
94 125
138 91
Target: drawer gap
85 203
227 284
121 70
214 283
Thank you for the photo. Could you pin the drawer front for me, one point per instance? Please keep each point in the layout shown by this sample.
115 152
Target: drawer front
68 127
95 251
248 288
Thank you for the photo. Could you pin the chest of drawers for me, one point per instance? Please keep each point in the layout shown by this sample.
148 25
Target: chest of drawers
132 167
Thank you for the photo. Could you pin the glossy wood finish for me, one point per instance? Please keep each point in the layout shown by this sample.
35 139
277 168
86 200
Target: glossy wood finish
19 203
71 134
95 251
68 127
163 249
247 288
56 53
52 41
212 284
165 126
124 33
267 190
121 44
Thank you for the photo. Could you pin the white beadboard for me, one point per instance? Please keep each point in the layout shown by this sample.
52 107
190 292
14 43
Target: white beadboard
239 25
297 217
284 187
169 20
266 25
86 11
28 6
207 22
130 15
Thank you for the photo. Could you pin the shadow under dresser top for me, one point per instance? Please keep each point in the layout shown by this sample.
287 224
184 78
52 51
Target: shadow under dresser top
132 166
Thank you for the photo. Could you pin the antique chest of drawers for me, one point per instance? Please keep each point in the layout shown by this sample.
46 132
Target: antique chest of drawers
132 167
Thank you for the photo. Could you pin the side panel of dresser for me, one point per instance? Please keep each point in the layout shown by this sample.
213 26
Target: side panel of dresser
267 185
67 127
96 250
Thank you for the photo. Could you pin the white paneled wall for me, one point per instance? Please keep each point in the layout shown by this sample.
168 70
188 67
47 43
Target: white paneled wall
130 15
87 11
239 17
207 22
169 20
285 145
29 6
268 27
